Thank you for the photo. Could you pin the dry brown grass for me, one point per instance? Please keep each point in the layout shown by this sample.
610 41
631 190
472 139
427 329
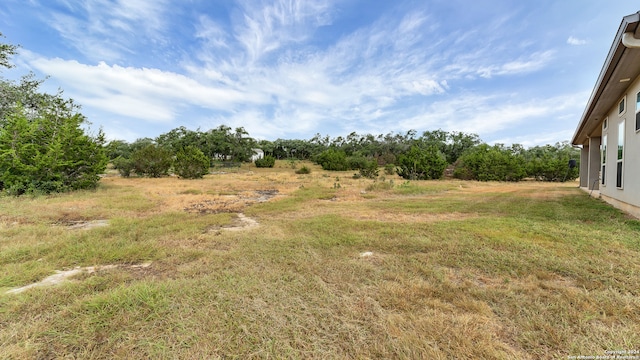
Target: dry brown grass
436 269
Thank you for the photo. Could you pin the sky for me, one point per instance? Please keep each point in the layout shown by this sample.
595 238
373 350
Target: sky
510 71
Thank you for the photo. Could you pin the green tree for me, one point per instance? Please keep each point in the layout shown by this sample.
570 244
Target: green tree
118 148
551 163
140 143
6 51
180 138
492 163
422 164
369 169
43 146
267 161
452 144
124 165
191 163
49 152
333 159
152 160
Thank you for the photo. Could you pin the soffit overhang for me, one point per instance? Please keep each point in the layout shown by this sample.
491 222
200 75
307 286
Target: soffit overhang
621 63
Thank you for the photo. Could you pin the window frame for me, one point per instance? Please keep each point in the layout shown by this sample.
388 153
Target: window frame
620 155
638 112
603 160
622 103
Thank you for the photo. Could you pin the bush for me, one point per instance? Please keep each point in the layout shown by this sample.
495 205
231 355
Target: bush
332 159
491 163
422 164
48 152
191 163
303 170
369 169
389 169
152 161
551 163
385 159
123 165
357 162
266 162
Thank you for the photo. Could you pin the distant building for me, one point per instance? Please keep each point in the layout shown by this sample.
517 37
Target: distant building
257 154
609 130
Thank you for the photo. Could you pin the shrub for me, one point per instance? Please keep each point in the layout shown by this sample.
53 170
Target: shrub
385 159
152 161
390 169
48 152
332 159
191 163
357 162
266 162
551 163
303 170
422 164
123 165
369 169
491 163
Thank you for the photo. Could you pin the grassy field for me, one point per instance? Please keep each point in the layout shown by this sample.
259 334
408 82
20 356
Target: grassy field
264 263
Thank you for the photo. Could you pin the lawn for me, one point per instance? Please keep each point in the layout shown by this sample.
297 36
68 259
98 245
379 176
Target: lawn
264 263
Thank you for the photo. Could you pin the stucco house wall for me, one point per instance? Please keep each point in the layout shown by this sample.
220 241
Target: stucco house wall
609 129
628 195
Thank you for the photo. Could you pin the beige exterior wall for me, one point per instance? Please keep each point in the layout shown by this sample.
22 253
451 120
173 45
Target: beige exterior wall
629 194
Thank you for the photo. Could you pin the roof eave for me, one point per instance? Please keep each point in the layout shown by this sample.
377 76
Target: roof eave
629 23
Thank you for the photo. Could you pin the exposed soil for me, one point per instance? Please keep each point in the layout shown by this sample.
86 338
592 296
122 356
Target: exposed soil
85 225
241 222
64 275
230 203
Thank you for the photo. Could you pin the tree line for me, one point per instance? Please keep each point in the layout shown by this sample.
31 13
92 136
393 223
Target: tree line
45 147
417 157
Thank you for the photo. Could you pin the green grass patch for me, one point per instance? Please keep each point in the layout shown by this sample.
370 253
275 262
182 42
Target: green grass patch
430 269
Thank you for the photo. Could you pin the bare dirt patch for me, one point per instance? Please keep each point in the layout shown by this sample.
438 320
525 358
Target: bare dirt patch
216 193
64 275
86 225
231 203
241 222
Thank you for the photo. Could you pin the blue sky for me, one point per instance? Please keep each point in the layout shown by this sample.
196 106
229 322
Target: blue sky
510 71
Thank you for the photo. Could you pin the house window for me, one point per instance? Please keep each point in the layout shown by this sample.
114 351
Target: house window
638 112
620 161
621 106
603 157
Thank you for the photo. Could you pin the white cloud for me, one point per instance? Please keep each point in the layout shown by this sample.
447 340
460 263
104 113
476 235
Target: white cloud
261 73
211 33
148 94
575 41
523 65
109 30
488 115
537 139
270 25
